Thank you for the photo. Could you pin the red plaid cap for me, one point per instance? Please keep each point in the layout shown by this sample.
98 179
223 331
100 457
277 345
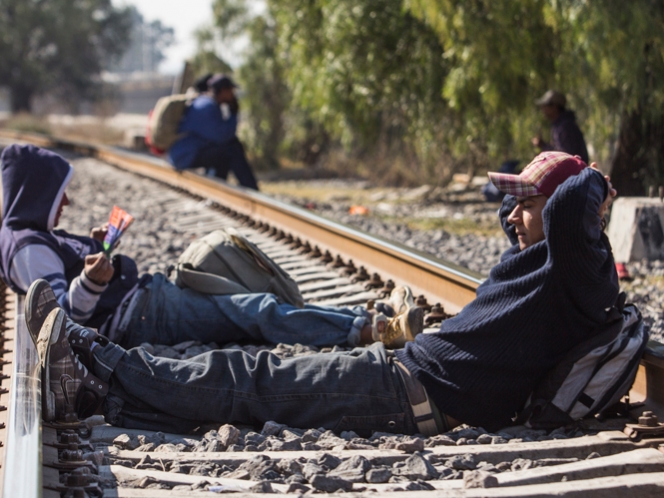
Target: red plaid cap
541 177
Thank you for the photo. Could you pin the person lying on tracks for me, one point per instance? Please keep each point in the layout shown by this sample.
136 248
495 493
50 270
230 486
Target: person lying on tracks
132 310
549 292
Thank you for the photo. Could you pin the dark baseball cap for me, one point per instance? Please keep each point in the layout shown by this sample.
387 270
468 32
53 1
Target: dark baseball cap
220 81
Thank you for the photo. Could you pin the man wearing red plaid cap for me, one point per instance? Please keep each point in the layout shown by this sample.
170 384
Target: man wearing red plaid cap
535 185
549 293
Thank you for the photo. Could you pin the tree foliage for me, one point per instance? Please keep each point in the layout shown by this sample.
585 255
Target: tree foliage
606 55
57 46
454 81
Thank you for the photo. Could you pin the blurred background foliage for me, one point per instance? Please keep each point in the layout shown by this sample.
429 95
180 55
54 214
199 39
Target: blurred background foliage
412 91
59 47
399 91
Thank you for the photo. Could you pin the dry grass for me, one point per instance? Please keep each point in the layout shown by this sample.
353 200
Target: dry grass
94 132
328 192
28 123
91 129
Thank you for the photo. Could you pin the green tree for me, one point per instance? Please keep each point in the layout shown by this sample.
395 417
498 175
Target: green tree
58 47
607 55
264 92
370 74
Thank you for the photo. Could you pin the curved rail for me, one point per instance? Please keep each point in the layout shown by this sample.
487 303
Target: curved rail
22 468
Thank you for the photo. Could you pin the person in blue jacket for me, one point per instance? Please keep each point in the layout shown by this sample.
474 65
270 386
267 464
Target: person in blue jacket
549 293
209 138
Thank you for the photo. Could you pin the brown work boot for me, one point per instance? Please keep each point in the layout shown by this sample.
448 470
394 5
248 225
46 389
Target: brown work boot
401 298
396 331
68 387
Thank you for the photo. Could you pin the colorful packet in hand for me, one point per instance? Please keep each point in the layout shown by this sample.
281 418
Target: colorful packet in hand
117 225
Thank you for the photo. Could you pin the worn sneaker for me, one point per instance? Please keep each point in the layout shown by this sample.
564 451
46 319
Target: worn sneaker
39 302
400 329
67 385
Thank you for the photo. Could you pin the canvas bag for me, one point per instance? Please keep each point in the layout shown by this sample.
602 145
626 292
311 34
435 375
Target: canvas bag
225 262
164 120
592 377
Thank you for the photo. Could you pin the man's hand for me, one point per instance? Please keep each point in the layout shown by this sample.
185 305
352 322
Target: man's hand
98 268
612 193
98 233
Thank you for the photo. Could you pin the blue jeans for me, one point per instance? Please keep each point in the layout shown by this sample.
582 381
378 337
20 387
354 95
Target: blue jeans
218 160
167 314
359 390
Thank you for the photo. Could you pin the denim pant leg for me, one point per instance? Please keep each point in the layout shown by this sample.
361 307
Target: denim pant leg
359 390
239 165
166 314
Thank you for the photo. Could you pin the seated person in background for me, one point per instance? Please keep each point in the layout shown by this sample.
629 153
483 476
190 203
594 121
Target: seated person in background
132 310
566 136
550 292
209 139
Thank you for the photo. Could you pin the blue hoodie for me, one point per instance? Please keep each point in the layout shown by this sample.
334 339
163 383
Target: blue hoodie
33 184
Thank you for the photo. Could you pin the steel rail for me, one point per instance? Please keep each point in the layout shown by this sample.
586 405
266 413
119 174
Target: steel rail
22 466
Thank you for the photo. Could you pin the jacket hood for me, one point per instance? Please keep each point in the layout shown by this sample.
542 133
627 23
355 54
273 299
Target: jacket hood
33 183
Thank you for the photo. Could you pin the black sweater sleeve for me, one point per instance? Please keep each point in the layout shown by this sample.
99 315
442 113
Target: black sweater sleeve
572 226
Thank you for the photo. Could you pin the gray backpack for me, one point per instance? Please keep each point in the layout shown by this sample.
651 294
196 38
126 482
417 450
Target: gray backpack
225 262
593 376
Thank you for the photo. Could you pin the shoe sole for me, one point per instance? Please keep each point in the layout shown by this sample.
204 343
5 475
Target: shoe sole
415 321
408 301
32 306
53 326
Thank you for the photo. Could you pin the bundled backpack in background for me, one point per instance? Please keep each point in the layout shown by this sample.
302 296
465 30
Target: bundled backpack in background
225 262
592 377
163 122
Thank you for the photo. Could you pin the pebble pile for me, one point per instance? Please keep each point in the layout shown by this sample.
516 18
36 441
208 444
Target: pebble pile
329 471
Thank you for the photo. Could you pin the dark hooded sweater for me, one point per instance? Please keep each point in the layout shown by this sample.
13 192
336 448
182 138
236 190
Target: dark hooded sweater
33 181
536 305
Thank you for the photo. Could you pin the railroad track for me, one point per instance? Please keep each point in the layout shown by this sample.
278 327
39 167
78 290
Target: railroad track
50 460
